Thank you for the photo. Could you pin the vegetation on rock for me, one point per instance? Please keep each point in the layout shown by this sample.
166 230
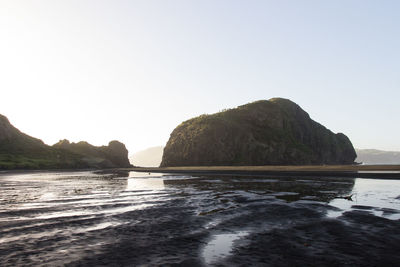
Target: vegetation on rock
111 156
266 132
21 151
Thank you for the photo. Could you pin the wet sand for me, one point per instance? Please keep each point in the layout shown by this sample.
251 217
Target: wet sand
353 171
131 219
299 168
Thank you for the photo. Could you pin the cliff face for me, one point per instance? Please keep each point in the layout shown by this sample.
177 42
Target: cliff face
117 153
21 151
6 129
112 156
266 132
12 140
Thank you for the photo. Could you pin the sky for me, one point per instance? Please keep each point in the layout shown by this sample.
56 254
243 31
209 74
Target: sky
134 70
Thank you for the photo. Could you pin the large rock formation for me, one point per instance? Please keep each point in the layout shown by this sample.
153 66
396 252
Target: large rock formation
111 156
21 151
266 132
12 140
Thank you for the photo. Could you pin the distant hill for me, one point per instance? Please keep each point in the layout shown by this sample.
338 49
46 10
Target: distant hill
21 151
265 132
374 156
150 157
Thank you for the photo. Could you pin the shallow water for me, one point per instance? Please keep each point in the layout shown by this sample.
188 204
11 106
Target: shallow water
220 246
129 218
380 197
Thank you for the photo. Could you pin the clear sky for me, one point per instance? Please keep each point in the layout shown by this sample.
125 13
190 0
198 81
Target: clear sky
133 70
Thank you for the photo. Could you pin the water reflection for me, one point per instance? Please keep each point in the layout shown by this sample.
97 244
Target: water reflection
380 197
46 186
286 188
220 246
43 205
167 217
145 184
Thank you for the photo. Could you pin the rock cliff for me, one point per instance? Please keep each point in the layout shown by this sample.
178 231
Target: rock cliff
21 151
111 156
266 132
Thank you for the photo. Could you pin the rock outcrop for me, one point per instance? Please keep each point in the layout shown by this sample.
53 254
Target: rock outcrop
21 151
112 156
11 139
266 132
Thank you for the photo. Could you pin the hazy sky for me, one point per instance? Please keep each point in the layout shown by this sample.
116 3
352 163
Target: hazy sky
133 70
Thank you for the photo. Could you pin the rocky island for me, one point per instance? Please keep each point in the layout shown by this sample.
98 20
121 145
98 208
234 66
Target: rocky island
265 132
21 151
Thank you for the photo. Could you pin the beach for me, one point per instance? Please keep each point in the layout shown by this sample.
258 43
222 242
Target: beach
353 171
151 219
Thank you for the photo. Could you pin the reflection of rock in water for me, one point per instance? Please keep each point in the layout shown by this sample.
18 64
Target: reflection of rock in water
113 173
52 185
111 182
145 184
287 188
378 197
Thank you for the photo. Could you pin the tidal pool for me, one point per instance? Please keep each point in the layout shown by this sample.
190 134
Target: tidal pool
129 218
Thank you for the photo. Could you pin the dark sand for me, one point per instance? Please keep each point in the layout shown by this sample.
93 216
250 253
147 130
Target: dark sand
354 171
92 219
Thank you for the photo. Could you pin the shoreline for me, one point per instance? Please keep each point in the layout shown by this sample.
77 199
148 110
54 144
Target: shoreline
350 171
